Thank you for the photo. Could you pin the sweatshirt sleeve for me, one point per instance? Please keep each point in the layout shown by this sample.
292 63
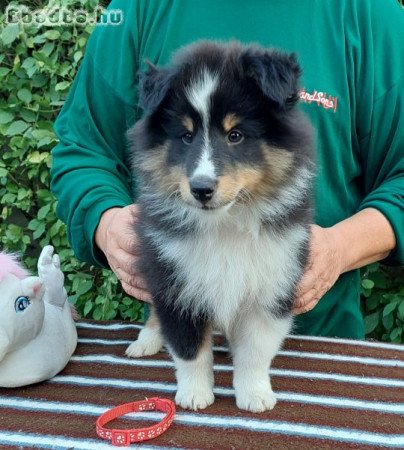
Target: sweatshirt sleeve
90 171
384 178
380 106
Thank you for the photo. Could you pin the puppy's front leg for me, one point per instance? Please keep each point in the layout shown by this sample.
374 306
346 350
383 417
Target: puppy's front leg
195 377
149 341
255 340
189 341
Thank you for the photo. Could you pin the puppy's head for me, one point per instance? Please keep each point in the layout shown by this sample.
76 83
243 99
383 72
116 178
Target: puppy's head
221 125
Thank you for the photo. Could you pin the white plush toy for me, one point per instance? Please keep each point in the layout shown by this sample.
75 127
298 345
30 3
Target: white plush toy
37 330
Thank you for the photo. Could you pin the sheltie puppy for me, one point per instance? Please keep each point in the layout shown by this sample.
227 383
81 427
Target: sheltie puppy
223 160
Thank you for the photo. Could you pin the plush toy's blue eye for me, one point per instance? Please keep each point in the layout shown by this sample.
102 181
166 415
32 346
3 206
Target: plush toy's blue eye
21 304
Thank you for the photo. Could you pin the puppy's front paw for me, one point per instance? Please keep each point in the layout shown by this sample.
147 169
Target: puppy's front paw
194 399
256 400
143 348
149 342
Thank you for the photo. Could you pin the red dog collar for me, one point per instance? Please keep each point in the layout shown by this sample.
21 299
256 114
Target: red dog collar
126 437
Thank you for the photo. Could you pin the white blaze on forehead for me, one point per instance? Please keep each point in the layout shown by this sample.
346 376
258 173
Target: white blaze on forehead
199 94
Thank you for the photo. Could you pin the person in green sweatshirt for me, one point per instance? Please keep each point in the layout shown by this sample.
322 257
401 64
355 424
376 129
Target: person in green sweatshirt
352 56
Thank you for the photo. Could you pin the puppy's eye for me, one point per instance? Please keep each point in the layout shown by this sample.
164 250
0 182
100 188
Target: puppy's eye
187 138
235 137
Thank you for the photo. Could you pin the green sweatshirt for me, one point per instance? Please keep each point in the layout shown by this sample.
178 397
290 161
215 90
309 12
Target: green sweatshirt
352 56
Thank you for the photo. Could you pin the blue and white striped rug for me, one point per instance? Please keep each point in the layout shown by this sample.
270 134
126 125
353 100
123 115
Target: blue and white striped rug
332 394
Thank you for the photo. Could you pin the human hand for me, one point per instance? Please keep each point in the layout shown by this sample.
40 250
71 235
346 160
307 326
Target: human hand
115 236
323 268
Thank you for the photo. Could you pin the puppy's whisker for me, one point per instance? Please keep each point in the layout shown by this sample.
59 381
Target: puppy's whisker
174 193
244 196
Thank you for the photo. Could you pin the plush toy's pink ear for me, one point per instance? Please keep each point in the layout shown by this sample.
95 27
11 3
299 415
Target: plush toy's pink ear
32 286
9 265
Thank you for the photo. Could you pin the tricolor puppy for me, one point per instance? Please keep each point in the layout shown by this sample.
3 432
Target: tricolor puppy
223 159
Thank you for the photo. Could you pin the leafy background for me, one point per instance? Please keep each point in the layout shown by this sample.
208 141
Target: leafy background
37 66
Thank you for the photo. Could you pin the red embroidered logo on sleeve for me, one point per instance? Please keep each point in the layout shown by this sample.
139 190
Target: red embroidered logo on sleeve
320 98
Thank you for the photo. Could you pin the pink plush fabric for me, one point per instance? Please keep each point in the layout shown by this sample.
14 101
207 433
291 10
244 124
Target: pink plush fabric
10 265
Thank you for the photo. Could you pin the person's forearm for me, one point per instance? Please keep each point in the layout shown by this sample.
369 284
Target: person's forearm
366 237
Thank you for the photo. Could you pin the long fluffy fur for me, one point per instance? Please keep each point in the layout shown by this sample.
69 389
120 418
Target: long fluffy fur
228 254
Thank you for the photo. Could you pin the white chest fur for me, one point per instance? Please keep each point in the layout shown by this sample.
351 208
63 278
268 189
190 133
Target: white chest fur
226 269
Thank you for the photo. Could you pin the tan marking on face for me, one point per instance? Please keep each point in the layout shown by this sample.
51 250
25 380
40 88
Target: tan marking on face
243 182
188 123
230 121
279 161
248 183
185 190
166 178
170 180
154 159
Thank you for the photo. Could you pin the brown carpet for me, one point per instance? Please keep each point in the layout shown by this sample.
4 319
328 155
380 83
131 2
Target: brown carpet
332 394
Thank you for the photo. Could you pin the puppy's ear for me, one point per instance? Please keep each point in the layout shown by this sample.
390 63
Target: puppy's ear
153 87
276 74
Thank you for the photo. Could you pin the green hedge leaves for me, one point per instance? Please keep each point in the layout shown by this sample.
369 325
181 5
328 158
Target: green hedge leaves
37 67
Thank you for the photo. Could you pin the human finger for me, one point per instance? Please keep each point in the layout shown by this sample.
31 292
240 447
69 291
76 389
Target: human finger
137 293
306 307
134 210
302 300
124 261
132 280
127 241
307 282
121 237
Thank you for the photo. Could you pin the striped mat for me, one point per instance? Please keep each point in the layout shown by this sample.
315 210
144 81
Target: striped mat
332 394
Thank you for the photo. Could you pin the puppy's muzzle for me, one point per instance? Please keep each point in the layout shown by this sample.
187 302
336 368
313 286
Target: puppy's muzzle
203 188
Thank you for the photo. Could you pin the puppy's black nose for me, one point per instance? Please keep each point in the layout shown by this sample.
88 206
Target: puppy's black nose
202 188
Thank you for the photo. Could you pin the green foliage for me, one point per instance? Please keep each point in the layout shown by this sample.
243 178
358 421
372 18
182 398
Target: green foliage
37 67
383 302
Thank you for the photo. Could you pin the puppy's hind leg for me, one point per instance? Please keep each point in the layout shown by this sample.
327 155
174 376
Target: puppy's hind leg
149 341
255 340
